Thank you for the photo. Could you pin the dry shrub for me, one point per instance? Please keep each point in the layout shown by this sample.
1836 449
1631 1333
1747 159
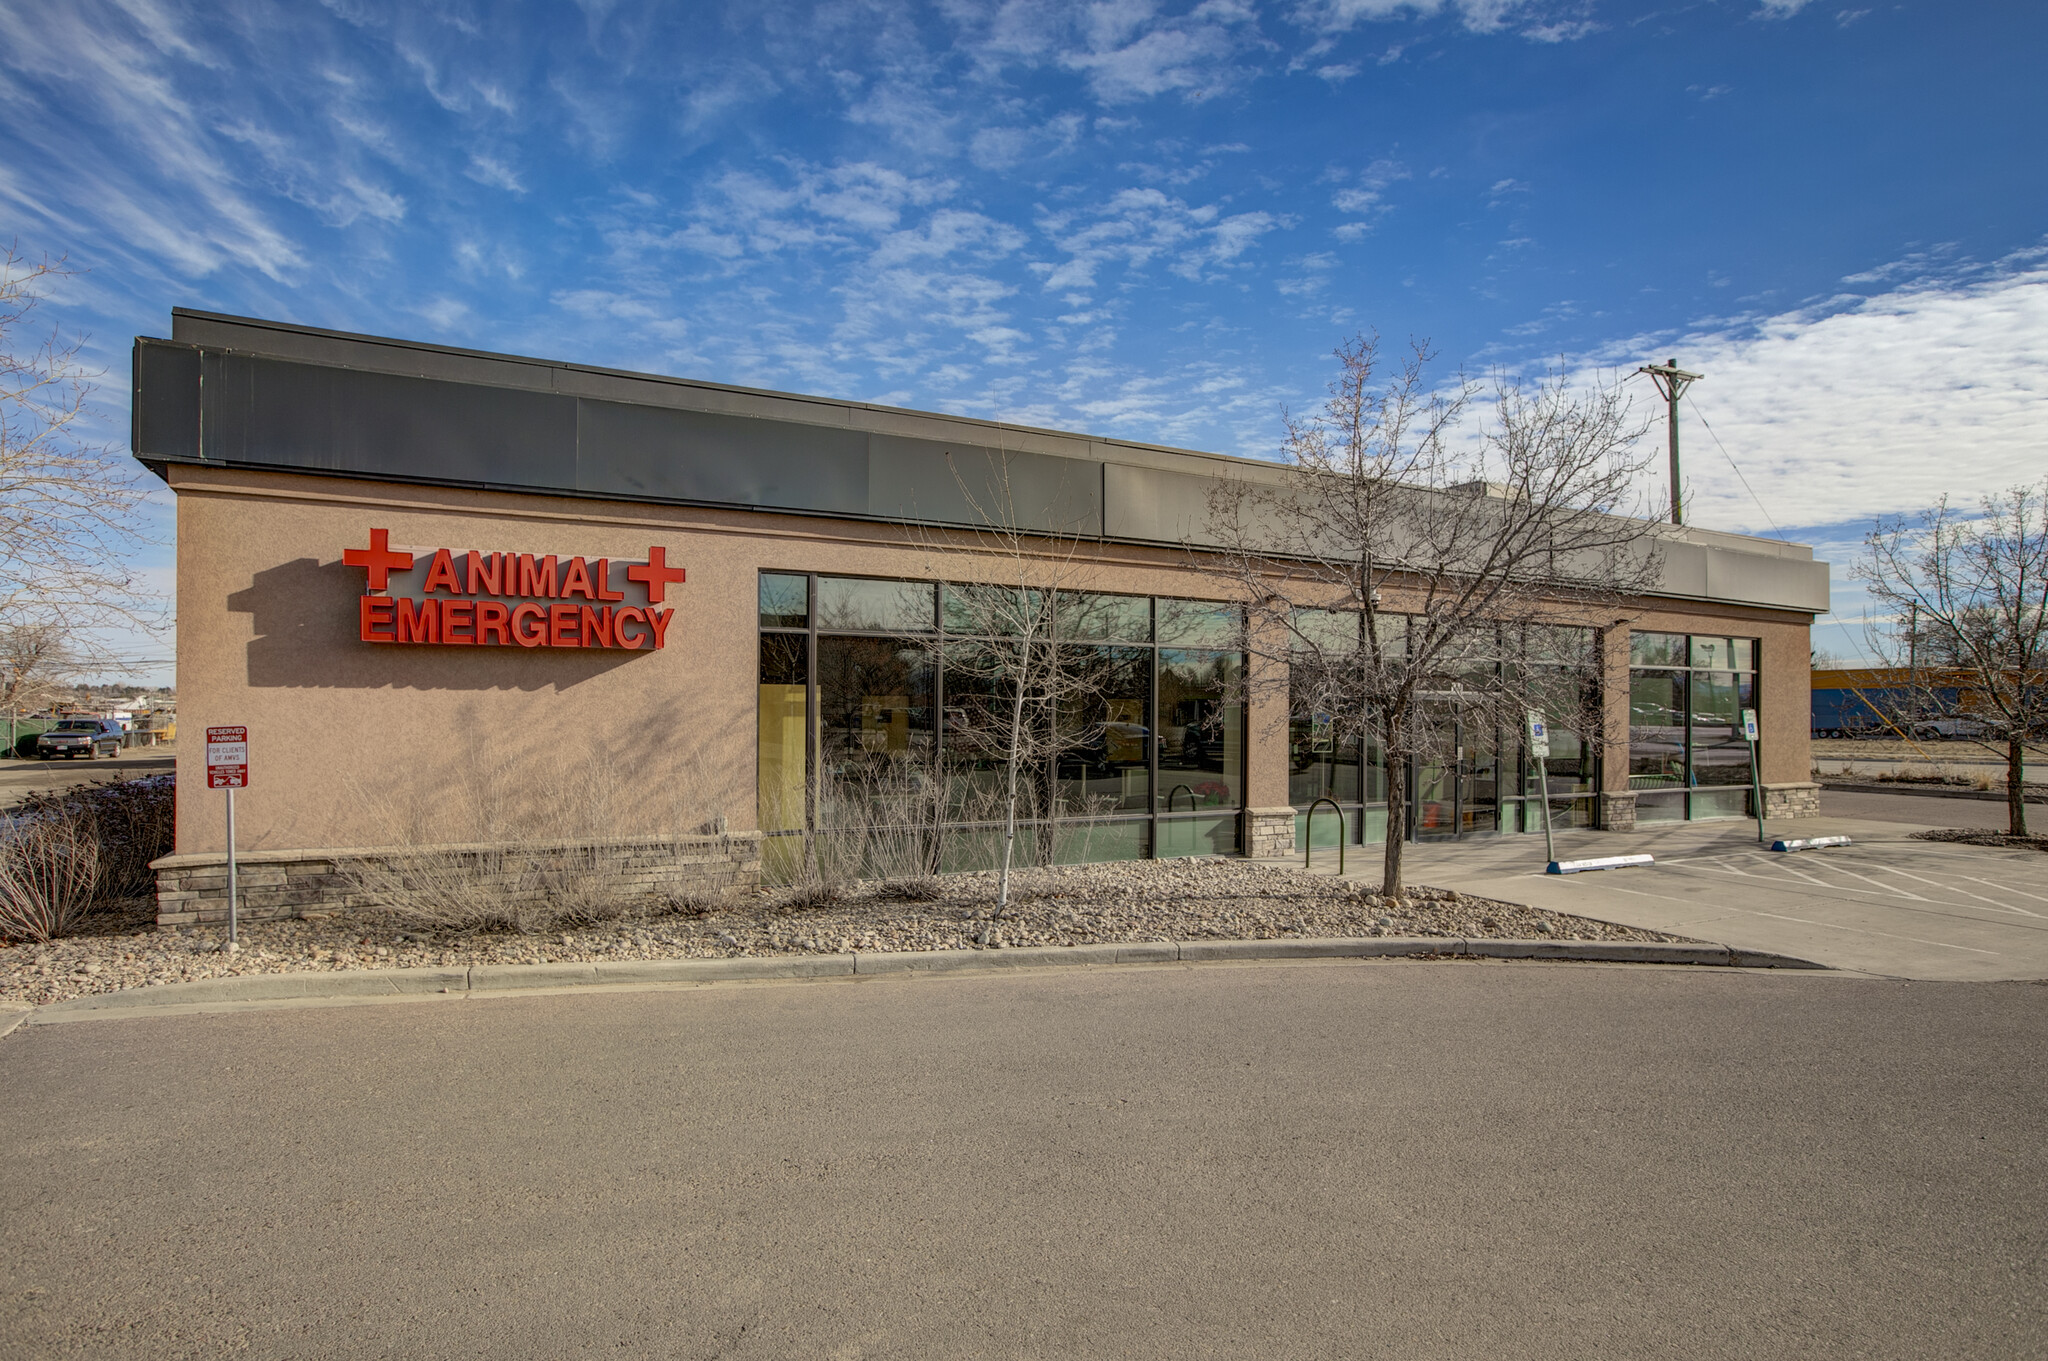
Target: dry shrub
49 871
923 888
70 853
810 896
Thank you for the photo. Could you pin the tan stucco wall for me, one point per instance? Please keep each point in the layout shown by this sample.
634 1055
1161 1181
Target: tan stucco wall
355 744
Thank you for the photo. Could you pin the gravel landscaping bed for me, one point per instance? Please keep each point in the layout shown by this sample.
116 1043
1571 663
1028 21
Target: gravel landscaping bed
1967 836
1207 899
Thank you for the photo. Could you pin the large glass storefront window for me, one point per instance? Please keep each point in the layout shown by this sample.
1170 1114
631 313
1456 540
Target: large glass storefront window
913 712
1326 758
875 727
1687 755
1479 779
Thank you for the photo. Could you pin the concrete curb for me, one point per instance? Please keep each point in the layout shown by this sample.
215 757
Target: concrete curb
502 979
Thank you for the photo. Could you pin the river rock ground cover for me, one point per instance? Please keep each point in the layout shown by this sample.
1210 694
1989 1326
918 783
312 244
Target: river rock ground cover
1205 899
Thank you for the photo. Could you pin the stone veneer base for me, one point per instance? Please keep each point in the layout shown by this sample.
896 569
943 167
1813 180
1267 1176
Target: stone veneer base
1268 832
191 889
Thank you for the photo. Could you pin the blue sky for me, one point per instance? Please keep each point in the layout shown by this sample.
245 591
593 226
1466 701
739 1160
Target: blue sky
1150 220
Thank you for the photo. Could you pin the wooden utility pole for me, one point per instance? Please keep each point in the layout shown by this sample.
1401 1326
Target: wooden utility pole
1672 381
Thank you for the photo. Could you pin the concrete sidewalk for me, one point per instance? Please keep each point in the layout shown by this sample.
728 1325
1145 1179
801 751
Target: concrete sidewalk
1887 905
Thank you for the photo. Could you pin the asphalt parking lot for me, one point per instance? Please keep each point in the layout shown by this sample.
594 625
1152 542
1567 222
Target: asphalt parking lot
1887 904
19 777
1400 1159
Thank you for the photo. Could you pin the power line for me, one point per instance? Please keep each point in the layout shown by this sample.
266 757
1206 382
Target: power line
1736 466
1761 507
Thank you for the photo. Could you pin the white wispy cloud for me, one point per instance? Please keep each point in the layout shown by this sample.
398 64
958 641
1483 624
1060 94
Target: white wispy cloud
1866 405
154 157
1363 197
1546 21
1136 227
1126 51
490 170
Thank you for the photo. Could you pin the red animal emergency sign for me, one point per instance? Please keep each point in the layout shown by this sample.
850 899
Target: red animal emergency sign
472 599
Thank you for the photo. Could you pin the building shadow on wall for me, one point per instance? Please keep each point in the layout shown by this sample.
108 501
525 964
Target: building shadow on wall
306 623
534 783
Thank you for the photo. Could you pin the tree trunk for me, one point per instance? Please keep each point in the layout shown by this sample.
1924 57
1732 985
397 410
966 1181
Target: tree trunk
1397 816
1010 803
2016 783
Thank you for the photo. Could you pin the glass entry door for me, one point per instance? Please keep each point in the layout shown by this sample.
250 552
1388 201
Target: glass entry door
1460 795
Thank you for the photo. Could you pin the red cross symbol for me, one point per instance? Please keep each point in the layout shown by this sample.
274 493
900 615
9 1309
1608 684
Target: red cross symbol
656 574
379 558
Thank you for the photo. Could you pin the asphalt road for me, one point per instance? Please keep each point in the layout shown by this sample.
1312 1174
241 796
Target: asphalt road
1347 1159
19 777
1922 810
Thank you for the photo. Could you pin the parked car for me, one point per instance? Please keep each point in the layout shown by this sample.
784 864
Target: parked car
87 737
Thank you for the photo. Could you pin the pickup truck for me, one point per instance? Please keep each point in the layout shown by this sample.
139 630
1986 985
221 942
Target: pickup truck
87 737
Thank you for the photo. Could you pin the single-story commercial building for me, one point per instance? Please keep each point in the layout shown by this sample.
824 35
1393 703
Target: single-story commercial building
476 601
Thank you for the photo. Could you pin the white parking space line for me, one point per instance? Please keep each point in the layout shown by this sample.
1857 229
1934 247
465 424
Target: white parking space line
2006 888
1864 930
1804 921
1897 890
1796 871
1721 866
1898 895
1965 892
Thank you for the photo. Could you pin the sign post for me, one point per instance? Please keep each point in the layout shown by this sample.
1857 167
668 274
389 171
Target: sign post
227 768
1756 781
1539 748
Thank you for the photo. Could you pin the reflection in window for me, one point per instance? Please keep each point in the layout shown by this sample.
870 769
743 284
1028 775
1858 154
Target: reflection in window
785 601
1085 617
853 603
1688 755
875 726
1720 751
1201 732
979 719
911 727
1656 649
1320 765
1106 730
1656 730
994 610
1333 633
1198 623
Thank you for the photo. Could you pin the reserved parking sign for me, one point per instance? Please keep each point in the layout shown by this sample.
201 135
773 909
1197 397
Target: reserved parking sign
227 758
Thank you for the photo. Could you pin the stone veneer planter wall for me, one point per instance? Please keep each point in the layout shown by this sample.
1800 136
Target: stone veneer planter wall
273 884
1801 800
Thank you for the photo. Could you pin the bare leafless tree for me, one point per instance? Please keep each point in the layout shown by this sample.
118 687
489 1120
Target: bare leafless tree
1963 620
1021 693
36 666
1401 572
69 506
